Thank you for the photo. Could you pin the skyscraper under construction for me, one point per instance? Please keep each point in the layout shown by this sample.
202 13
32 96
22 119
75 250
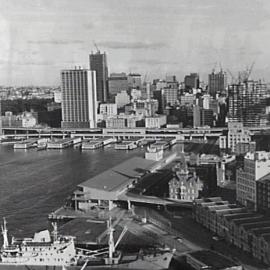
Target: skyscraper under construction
247 103
98 63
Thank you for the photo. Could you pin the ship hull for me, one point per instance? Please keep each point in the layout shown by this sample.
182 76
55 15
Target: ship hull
150 263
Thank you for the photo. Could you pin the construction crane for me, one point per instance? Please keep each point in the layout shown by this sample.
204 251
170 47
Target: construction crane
233 79
243 76
250 69
96 47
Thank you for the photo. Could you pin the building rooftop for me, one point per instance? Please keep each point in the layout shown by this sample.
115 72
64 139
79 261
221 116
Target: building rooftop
214 204
242 214
260 231
214 208
265 178
212 259
207 200
263 222
246 220
230 210
258 155
119 176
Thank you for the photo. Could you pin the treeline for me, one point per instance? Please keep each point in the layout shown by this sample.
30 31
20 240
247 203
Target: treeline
20 105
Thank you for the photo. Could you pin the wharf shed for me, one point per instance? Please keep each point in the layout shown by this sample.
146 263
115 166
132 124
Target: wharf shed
106 187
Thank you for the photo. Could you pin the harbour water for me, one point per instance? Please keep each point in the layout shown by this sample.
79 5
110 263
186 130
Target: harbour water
34 183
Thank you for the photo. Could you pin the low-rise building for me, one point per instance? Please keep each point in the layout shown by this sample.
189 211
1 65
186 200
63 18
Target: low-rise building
256 166
122 99
208 259
185 185
108 109
155 121
237 133
105 188
28 120
245 229
242 148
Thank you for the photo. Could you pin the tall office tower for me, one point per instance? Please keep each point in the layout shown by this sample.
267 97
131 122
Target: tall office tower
98 62
247 103
79 100
157 94
217 83
117 82
192 81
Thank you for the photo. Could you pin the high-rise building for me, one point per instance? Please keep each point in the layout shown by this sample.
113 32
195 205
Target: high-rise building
117 82
217 83
79 101
157 94
247 103
98 63
192 81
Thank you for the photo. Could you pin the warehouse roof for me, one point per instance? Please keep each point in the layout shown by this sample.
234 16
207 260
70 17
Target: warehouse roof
238 215
212 259
260 231
258 224
242 221
119 176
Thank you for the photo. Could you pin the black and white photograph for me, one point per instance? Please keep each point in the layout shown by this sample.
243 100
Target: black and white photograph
135 134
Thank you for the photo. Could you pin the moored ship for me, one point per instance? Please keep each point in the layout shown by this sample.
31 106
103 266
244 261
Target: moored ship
51 251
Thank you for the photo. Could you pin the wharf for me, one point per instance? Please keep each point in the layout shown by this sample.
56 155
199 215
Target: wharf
26 144
92 144
128 144
97 143
63 143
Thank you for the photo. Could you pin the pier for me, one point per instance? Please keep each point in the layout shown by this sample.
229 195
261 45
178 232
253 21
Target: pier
26 144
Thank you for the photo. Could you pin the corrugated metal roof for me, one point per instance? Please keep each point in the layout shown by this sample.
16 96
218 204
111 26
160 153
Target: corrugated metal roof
119 176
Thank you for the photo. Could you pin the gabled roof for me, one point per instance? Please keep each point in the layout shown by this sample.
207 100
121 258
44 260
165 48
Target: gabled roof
119 176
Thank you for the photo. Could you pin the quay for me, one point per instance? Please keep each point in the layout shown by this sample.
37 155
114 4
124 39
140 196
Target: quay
26 144
128 144
97 143
63 143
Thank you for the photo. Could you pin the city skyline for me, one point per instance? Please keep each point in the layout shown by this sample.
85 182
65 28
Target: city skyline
150 37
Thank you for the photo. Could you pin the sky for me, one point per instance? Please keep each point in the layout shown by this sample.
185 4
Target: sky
156 38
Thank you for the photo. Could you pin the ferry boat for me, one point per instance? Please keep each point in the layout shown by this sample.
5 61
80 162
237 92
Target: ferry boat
47 251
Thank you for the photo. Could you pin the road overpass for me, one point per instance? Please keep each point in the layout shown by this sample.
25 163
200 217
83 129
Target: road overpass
184 133
154 133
